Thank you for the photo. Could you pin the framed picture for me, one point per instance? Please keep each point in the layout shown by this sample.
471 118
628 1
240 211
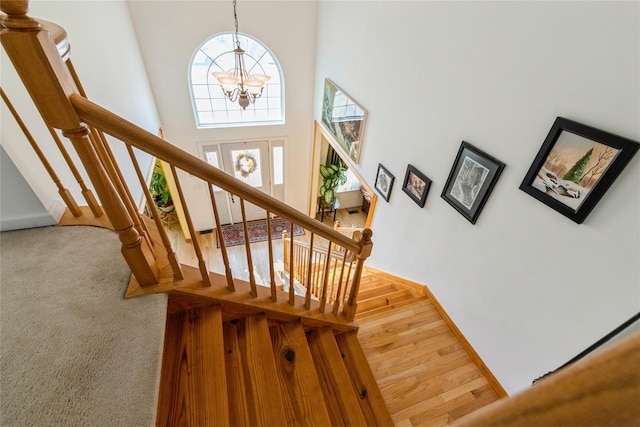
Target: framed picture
344 118
575 166
384 182
471 180
416 185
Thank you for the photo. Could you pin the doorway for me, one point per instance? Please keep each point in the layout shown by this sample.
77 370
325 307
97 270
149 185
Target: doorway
358 196
258 163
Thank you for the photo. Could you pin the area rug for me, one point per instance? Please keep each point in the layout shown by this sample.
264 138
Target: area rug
74 351
234 234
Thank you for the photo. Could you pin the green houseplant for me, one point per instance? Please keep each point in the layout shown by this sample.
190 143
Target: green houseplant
159 189
332 176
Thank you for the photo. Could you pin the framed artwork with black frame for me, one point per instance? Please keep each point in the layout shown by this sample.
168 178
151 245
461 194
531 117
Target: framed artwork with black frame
384 182
416 185
575 167
471 180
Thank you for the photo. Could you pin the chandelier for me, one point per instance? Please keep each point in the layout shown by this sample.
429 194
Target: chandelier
237 84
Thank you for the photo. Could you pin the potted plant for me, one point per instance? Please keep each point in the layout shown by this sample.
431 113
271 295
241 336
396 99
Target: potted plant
332 177
160 191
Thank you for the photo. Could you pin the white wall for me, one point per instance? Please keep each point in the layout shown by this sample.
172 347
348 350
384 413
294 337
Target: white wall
527 287
105 55
170 31
19 206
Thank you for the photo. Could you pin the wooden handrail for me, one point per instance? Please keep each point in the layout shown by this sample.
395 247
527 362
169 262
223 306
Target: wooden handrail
58 94
602 389
124 130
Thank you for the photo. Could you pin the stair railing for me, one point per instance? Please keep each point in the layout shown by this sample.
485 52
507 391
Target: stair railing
322 273
56 91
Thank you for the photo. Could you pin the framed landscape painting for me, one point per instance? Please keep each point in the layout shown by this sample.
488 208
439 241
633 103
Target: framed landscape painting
416 185
575 166
471 180
344 118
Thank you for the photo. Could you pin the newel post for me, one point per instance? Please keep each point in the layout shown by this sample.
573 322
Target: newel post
366 245
36 59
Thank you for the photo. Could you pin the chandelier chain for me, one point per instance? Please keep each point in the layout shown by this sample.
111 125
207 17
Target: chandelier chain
235 17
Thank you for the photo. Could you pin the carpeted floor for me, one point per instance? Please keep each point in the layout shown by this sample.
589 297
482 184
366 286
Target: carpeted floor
73 351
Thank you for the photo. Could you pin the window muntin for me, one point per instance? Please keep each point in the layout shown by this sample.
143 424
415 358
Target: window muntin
211 107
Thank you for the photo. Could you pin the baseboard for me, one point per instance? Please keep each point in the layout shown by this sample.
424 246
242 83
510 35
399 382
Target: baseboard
26 221
467 346
57 209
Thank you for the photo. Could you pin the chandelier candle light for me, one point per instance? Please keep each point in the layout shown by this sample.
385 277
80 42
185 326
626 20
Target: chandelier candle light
238 84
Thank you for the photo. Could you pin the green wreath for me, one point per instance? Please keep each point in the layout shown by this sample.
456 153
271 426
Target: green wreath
246 164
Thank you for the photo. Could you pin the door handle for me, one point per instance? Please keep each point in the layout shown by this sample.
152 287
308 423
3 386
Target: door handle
232 199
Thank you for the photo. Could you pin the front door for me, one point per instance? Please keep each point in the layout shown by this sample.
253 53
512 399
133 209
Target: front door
249 162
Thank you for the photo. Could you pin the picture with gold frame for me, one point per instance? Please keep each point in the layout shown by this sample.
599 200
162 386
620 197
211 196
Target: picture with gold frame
344 119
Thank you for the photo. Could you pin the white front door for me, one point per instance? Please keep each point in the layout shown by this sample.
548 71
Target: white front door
257 163
250 162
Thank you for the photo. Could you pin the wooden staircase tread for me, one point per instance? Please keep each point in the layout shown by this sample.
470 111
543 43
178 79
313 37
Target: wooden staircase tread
238 405
261 384
381 317
193 338
342 403
383 300
380 312
302 394
414 366
364 383
365 294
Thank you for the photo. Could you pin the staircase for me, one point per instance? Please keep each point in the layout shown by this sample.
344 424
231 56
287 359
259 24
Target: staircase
241 354
220 369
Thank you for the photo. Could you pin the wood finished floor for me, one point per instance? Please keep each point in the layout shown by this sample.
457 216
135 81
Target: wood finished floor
425 375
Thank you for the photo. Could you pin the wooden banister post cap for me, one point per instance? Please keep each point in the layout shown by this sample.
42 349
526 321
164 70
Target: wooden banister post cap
16 11
366 244
14 7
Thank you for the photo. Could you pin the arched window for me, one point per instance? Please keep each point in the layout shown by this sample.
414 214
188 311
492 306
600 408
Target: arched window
210 105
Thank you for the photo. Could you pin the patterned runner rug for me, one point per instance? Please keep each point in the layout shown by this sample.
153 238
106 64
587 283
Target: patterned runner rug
234 234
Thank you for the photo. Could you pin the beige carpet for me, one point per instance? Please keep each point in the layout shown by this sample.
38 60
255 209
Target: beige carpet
73 351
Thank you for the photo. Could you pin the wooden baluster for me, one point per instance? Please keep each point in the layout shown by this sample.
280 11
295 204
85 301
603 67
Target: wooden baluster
347 287
309 284
365 250
134 249
78 83
223 246
138 217
314 270
171 256
272 272
247 245
320 261
195 238
111 166
99 139
93 204
292 295
285 251
333 281
325 281
336 303
300 263
50 85
64 192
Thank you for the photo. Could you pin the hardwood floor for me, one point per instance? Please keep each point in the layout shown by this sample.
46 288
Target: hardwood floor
426 376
